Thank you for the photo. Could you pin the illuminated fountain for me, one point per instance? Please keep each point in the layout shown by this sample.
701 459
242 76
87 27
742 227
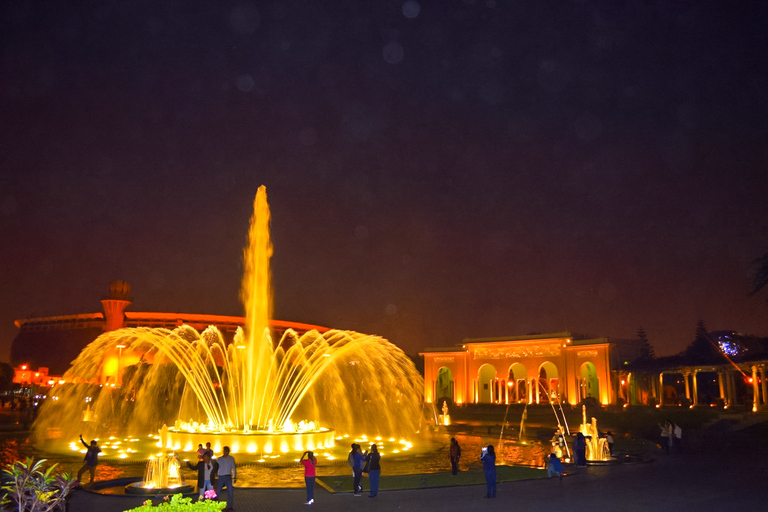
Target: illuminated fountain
253 394
162 476
597 447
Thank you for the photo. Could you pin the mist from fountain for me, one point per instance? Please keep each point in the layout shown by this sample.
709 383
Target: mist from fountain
293 393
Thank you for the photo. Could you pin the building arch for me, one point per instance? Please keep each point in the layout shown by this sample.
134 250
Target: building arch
548 384
444 385
589 384
517 377
486 384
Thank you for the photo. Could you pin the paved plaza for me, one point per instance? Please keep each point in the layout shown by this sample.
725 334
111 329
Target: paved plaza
713 475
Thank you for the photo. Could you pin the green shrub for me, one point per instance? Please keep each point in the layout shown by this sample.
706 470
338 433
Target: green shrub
178 503
27 487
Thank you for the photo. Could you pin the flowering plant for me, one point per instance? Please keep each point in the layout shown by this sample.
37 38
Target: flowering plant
178 503
210 494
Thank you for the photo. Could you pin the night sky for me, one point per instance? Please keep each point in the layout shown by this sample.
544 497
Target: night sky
436 170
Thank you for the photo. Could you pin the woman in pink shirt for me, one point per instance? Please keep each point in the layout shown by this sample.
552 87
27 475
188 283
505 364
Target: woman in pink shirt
309 475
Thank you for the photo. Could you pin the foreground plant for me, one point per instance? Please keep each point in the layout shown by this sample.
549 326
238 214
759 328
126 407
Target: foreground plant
28 487
178 503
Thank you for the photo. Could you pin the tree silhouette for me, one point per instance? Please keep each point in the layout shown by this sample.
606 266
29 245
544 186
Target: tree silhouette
760 274
6 376
646 349
703 350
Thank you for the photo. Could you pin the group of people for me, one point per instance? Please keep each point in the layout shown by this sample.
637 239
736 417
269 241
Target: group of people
671 437
215 474
368 462
210 471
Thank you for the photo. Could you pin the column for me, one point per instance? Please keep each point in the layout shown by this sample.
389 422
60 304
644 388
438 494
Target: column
764 385
755 390
661 388
686 376
728 388
721 385
695 388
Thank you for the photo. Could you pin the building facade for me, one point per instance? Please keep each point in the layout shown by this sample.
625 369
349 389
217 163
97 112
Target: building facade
527 369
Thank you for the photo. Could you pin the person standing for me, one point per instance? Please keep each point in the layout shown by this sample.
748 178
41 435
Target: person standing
580 450
206 474
455 453
227 475
373 461
309 464
609 442
208 449
678 435
91 459
665 440
489 468
200 452
357 469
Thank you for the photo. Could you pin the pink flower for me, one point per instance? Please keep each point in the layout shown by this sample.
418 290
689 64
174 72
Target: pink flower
210 494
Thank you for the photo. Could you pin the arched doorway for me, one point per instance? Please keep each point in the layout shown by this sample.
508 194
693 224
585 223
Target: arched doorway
516 383
547 389
589 385
444 384
486 384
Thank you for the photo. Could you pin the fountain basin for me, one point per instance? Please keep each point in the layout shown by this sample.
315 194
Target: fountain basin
138 488
252 442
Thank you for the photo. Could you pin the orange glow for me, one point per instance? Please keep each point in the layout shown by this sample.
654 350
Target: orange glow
23 367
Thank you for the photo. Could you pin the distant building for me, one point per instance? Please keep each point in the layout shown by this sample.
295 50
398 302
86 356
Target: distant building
526 369
25 376
53 342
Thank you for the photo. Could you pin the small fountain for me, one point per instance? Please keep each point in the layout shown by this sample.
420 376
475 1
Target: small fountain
597 447
162 476
445 418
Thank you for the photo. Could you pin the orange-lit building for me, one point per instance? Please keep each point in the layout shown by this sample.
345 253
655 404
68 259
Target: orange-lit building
525 369
26 376
54 342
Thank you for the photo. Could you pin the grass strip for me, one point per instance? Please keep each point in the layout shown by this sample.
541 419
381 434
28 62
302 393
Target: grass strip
335 484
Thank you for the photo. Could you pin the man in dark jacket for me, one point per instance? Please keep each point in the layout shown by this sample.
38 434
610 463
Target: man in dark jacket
206 474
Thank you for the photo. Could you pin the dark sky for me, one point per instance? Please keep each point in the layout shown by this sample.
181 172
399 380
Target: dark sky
436 170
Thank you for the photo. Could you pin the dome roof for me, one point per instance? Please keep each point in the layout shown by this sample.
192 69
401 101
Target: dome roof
119 290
